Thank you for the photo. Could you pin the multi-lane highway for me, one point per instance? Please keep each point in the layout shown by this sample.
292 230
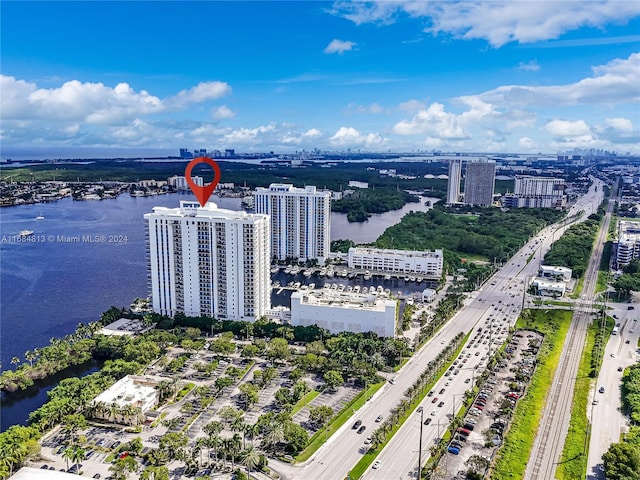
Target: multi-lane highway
499 300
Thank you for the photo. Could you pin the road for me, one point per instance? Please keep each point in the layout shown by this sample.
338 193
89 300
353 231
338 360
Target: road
500 298
607 420
554 425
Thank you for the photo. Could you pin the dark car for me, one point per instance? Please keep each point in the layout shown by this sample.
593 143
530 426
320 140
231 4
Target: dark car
428 421
630 307
362 429
357 424
435 399
441 392
440 404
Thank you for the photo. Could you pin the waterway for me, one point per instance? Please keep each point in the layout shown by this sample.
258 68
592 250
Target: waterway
59 278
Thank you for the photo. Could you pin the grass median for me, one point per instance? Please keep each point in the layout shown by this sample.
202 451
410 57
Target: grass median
368 458
304 401
512 457
321 436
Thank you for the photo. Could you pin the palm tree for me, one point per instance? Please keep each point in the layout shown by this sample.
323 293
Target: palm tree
68 455
214 442
250 459
77 455
15 361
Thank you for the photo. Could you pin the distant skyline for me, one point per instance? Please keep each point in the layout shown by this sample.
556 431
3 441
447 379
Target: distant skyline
474 76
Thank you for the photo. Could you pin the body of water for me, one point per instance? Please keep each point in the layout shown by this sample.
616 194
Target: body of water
56 279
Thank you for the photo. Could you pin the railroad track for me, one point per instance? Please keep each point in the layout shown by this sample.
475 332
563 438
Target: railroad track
549 442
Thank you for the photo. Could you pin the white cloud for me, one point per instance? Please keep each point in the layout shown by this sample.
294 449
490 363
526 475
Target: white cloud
617 82
339 46
433 120
350 137
498 22
202 92
531 66
527 143
294 138
567 128
222 112
95 103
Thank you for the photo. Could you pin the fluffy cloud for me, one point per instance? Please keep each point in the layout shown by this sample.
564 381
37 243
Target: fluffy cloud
350 137
222 112
617 82
295 138
527 144
202 92
339 46
565 128
94 103
498 22
432 121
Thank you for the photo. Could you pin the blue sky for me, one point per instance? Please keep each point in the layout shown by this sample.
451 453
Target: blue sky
504 76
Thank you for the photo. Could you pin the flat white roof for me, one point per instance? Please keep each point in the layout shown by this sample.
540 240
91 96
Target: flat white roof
29 473
124 326
349 300
126 391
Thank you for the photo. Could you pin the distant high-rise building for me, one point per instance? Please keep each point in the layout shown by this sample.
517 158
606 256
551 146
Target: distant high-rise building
208 261
538 192
453 186
300 221
185 153
479 183
180 182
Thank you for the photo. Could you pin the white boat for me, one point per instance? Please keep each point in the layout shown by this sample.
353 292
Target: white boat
330 273
412 279
343 273
275 269
367 275
25 233
40 216
308 272
387 277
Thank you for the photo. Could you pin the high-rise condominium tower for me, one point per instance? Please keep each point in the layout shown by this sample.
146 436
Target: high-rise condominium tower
479 183
208 261
300 221
453 187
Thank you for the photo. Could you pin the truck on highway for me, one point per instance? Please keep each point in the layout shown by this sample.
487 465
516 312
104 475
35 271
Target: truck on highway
614 331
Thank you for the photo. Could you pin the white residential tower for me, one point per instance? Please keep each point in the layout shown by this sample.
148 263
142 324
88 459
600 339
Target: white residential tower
208 261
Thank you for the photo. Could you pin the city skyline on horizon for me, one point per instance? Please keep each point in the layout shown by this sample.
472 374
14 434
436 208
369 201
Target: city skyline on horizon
470 76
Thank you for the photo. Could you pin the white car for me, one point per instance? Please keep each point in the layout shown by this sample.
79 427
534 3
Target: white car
376 464
434 412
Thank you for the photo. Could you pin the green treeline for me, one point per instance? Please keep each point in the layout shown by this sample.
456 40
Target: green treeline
573 249
363 202
622 460
490 233
630 280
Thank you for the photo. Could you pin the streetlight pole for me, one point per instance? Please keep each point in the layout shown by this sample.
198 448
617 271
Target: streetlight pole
421 410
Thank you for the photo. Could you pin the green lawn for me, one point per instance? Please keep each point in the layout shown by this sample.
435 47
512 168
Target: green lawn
321 435
512 457
601 286
304 401
578 289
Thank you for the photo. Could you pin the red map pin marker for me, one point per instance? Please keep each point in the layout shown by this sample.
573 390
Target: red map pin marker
202 193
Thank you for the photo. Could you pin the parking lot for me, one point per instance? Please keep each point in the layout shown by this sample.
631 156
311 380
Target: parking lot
104 443
475 443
